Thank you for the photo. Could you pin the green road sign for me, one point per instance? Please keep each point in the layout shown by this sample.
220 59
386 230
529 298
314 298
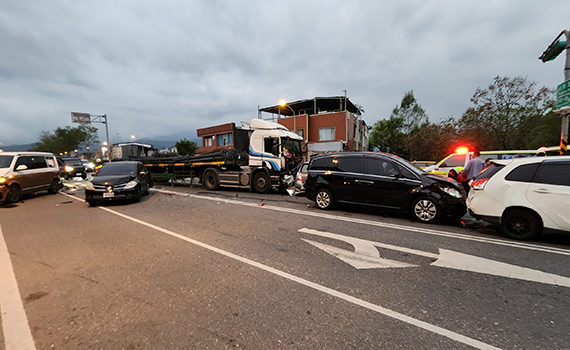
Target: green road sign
563 95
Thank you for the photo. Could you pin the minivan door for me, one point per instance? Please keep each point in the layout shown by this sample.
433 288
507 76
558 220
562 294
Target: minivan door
389 183
347 179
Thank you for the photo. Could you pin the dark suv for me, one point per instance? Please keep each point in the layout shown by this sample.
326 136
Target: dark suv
71 167
383 181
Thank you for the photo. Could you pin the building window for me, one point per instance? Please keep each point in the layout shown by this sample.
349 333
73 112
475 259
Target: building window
301 132
225 139
327 134
207 141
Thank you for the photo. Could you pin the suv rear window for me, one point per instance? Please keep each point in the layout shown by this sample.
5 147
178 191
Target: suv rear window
489 172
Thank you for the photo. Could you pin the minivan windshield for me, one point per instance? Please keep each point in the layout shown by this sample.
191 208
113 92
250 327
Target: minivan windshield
5 161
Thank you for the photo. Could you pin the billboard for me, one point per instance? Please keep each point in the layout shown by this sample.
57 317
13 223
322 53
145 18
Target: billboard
81 118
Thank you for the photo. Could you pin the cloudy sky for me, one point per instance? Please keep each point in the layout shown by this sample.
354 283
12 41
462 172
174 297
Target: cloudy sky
159 68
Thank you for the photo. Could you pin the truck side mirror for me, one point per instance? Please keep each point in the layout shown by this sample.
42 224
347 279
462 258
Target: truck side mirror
275 149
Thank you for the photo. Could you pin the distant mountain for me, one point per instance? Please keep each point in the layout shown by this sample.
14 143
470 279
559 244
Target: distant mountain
17 148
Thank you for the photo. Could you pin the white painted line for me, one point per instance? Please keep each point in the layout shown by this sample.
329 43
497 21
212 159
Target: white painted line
17 333
382 224
377 308
364 257
357 260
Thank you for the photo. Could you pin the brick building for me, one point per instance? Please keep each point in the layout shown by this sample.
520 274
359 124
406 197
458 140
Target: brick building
224 136
328 124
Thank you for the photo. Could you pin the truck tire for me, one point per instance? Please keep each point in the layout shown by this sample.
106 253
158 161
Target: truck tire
261 182
211 180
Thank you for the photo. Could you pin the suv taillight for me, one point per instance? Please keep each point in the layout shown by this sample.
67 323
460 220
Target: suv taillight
479 184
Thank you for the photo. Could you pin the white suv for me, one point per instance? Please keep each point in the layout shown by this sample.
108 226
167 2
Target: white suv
525 196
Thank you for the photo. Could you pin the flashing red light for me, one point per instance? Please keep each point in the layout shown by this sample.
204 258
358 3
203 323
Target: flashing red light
462 149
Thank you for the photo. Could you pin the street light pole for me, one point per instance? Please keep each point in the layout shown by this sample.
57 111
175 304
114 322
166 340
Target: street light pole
283 104
549 54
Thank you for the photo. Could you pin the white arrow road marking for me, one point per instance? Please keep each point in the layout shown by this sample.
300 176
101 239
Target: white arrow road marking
445 258
460 261
358 260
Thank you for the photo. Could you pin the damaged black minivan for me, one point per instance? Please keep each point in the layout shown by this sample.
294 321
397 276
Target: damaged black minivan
383 181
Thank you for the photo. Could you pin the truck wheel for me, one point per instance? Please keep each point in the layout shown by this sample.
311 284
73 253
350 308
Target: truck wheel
261 183
211 181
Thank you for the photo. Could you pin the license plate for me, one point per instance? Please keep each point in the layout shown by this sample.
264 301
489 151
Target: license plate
108 195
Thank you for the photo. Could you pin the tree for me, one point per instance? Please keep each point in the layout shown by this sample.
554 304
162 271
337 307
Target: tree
65 139
386 134
431 141
186 148
505 114
391 134
413 115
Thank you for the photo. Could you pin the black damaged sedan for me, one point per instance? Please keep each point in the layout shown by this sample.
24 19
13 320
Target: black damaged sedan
118 181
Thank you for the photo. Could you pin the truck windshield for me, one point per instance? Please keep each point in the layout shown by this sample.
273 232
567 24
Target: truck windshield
291 148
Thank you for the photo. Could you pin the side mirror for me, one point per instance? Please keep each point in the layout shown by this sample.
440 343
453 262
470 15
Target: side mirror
21 167
275 149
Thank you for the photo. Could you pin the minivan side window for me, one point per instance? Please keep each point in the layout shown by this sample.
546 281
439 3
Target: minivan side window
322 164
22 161
349 164
453 161
553 174
523 173
381 167
38 162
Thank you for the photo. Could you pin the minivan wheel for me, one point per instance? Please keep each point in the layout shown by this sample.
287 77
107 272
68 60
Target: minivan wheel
54 187
520 224
324 199
14 195
426 210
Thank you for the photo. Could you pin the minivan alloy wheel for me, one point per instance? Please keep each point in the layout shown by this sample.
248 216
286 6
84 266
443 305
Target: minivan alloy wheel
424 209
323 199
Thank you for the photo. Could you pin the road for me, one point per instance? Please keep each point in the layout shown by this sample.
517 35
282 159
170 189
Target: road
191 269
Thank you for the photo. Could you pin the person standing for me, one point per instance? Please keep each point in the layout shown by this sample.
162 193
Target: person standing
474 167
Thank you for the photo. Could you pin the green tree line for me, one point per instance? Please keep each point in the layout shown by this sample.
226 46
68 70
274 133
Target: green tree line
511 113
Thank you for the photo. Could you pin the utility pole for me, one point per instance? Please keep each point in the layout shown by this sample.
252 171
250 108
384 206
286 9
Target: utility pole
563 91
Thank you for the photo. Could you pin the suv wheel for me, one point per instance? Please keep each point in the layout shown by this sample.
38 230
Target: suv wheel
520 224
14 194
324 199
54 187
426 210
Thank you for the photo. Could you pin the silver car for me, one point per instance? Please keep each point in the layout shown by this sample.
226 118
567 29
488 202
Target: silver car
301 177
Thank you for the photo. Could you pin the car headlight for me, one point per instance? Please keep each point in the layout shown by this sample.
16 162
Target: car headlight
2 181
89 186
131 184
68 168
451 191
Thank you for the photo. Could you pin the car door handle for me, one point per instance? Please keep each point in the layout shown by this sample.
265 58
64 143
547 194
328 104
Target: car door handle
364 182
543 191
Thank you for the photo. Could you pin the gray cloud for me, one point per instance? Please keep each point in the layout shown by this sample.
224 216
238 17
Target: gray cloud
158 68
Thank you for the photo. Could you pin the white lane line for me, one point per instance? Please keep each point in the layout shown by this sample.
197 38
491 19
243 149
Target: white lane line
383 224
17 333
377 308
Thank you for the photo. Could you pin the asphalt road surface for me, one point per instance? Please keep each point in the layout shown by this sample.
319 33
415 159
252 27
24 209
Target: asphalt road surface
192 269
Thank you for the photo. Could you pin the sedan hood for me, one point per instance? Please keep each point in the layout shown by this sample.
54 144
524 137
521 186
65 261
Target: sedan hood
112 179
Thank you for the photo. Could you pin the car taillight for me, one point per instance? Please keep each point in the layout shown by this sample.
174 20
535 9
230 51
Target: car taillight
299 177
479 184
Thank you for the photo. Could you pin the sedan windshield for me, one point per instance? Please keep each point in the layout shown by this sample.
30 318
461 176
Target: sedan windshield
5 161
117 169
